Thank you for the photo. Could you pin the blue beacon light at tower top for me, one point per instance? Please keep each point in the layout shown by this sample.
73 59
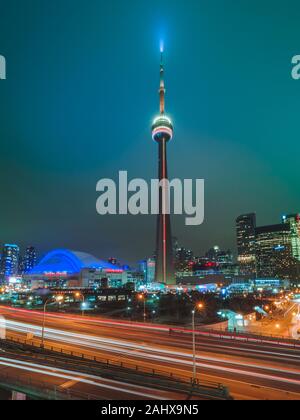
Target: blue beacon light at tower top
162 47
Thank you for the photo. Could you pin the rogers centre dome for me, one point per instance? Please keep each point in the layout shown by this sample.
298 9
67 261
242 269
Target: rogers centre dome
69 262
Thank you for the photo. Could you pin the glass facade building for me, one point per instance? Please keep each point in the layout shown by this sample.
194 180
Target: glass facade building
10 260
245 230
274 251
293 220
29 260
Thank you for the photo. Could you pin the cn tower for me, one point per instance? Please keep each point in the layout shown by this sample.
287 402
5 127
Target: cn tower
162 133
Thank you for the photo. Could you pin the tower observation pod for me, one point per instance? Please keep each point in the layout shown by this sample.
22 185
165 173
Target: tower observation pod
162 133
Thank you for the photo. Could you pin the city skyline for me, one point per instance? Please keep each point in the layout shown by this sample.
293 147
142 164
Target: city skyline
150 213
58 146
181 244
243 251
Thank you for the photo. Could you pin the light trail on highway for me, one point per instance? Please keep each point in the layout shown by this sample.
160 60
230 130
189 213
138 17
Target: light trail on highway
79 377
256 370
117 389
169 356
116 345
141 326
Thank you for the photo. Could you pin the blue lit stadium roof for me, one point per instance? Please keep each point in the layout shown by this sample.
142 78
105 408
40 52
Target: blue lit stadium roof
71 262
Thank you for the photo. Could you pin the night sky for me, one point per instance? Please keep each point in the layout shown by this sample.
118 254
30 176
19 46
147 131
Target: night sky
82 91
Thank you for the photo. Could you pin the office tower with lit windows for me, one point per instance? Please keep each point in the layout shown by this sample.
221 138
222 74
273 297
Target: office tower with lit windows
293 220
28 260
162 133
184 260
274 251
245 230
147 269
10 260
219 256
143 269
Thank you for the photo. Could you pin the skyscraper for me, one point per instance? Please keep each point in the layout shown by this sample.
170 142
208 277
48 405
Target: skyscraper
274 251
29 260
184 259
245 229
294 221
10 260
162 133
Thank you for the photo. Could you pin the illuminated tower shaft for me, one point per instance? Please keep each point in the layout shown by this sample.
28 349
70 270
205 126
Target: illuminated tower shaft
164 250
162 133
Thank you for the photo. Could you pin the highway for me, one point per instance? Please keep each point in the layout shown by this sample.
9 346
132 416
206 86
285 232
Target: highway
81 386
250 370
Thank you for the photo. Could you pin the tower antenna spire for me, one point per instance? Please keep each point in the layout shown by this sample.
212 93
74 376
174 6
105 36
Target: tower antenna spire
162 89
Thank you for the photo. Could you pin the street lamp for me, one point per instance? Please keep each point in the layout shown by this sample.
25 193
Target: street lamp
56 299
142 297
199 306
78 295
153 314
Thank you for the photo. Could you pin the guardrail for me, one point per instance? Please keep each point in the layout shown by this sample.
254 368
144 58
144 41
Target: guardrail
240 336
109 362
276 339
